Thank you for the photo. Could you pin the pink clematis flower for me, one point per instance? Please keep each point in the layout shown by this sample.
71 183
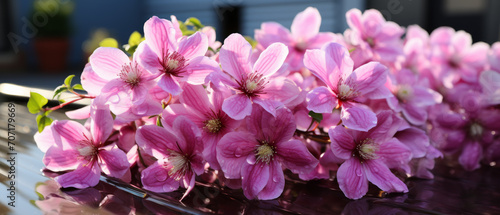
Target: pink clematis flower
369 155
372 37
177 149
304 35
258 155
344 87
253 83
206 112
125 82
68 145
175 61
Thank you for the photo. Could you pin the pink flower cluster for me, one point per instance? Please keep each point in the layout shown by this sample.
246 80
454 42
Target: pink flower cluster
365 106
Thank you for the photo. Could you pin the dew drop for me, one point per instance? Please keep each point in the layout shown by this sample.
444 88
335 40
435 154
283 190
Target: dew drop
161 175
238 152
359 173
114 98
251 160
276 178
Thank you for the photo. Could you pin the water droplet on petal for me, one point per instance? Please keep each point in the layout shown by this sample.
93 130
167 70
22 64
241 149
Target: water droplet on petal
359 172
161 175
276 178
114 98
251 159
238 152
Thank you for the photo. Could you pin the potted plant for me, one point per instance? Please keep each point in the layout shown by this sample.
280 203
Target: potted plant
52 17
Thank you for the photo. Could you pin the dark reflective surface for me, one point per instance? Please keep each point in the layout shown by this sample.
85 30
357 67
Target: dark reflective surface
453 191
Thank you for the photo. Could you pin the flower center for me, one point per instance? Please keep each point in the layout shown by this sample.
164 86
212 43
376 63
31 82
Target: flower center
213 125
87 151
130 74
366 150
174 64
476 130
301 46
345 91
264 153
404 93
370 42
252 85
180 165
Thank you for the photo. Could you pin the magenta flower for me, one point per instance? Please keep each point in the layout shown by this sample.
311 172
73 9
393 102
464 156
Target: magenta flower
253 83
344 87
206 112
455 58
258 155
372 37
304 35
490 83
410 97
68 145
175 61
126 82
177 149
369 155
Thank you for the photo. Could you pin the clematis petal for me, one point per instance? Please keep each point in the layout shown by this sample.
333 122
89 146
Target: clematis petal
306 24
271 59
107 62
148 59
294 155
160 35
195 96
234 56
45 139
82 177
193 46
155 140
416 139
170 85
271 32
352 179
275 183
369 77
321 100
155 178
354 19
101 121
199 68
189 133
237 106
471 154
233 150
269 105
378 173
254 178
358 116
80 113
113 161
394 154
67 134
316 62
343 142
91 82
58 160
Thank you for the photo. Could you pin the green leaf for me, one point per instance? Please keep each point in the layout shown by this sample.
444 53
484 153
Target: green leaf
40 196
42 121
316 116
195 22
109 42
351 50
36 102
135 38
59 90
78 87
68 80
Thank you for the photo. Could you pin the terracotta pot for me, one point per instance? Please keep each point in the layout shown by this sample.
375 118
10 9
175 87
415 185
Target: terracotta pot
52 53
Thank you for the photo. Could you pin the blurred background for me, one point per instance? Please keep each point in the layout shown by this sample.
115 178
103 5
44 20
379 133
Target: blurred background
53 38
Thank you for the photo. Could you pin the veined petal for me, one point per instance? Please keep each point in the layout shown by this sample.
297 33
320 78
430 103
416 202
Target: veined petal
271 32
237 106
315 61
199 68
306 24
369 77
170 85
148 59
321 100
382 177
58 160
45 139
107 62
416 139
471 154
234 56
80 113
394 154
352 179
160 35
195 96
264 126
343 142
233 150
113 161
275 183
82 177
269 105
91 82
358 116
414 114
155 178
354 19
271 59
342 63
294 155
254 178
155 140
188 135
194 45
67 134
101 121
